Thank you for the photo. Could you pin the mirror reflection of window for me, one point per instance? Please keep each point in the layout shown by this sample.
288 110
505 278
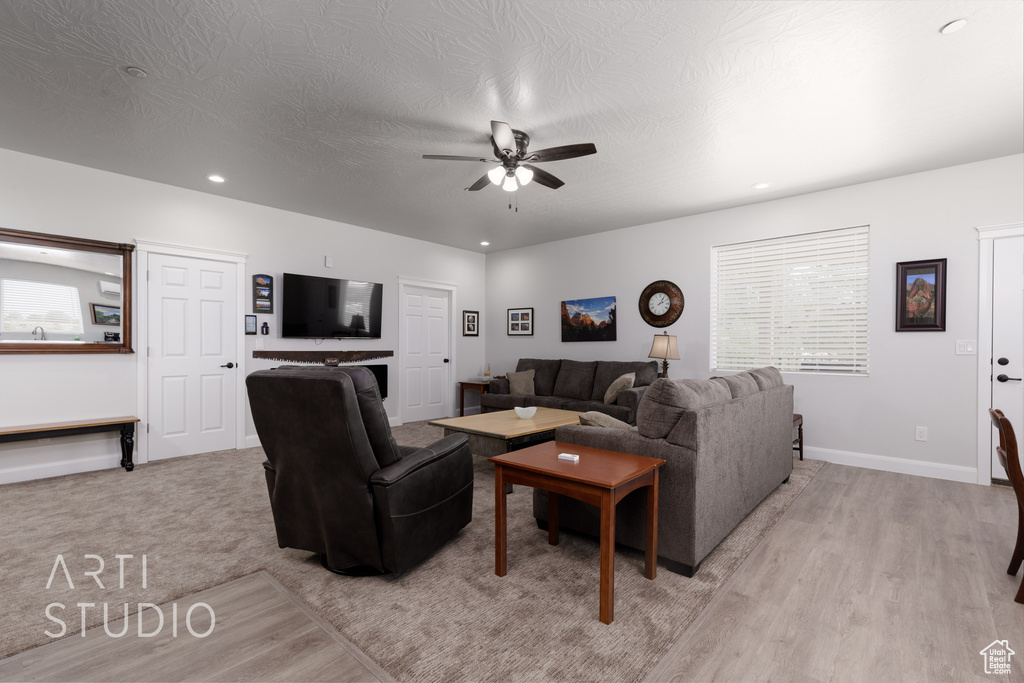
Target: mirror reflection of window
40 308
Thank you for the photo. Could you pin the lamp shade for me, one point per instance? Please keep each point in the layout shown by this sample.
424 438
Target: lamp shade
523 175
510 183
664 347
496 174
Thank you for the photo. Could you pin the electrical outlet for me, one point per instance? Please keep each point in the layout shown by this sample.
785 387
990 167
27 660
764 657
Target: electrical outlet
921 434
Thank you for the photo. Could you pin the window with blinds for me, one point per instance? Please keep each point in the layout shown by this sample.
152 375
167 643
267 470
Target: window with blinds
22 300
799 303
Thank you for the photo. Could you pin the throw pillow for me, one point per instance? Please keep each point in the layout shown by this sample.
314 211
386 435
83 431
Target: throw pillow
521 383
623 382
594 418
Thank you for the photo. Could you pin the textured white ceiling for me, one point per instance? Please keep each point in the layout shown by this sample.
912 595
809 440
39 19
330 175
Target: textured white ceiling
325 107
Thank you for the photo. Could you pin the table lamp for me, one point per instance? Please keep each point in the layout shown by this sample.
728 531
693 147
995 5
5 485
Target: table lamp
664 347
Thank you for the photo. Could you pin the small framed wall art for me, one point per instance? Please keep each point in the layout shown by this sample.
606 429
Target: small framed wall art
471 323
921 296
262 294
520 322
105 315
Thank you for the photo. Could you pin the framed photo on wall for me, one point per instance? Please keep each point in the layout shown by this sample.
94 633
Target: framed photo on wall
921 296
471 323
105 315
520 322
262 294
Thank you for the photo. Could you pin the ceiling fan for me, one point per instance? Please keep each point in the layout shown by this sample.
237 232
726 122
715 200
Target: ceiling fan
516 162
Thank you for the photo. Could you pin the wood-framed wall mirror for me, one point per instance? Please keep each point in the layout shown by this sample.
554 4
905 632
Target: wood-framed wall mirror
64 294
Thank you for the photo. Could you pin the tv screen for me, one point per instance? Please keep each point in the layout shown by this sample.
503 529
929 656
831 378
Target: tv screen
325 308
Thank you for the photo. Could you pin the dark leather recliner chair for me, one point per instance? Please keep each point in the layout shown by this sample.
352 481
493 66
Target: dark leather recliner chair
340 485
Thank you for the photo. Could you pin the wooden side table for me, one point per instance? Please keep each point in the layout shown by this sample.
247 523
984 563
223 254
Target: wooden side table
601 478
479 386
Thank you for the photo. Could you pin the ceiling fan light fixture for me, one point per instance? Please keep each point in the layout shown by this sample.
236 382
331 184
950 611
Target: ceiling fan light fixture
496 174
524 175
510 183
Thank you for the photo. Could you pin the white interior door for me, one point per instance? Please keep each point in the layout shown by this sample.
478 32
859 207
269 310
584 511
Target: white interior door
191 365
1007 337
426 353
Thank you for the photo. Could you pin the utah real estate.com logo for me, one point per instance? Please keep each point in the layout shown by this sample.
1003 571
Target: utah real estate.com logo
55 610
997 657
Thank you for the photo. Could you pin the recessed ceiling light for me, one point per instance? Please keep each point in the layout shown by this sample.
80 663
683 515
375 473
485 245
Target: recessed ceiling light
215 178
135 71
761 186
485 244
953 26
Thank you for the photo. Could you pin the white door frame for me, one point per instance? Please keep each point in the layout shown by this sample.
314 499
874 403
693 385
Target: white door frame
986 246
454 326
141 332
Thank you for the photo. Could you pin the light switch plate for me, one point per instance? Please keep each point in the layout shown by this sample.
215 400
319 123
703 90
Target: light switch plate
966 347
328 261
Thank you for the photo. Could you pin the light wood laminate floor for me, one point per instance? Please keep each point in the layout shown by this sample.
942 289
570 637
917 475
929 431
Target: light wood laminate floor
869 576
261 633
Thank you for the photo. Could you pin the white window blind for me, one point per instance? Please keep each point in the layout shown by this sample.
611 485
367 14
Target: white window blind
799 303
25 305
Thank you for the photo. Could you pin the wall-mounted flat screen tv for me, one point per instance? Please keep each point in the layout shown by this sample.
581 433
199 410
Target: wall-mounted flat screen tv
325 308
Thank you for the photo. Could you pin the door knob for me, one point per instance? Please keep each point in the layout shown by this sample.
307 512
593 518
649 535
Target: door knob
1004 378
445 360
1003 361
228 366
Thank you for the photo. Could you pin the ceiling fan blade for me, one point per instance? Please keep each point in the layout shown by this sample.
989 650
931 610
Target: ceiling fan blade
446 157
542 177
502 135
564 152
480 184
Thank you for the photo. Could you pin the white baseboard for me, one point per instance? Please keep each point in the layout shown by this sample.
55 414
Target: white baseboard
251 441
10 475
394 421
885 463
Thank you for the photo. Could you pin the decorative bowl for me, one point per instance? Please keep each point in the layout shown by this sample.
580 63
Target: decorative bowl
526 413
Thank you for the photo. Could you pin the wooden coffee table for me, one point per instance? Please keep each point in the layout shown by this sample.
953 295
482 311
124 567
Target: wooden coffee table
504 431
601 478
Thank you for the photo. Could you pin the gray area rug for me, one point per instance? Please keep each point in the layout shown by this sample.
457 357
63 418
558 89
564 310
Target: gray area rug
203 520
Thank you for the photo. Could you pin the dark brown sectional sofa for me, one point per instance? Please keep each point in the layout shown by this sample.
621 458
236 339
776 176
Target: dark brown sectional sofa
575 385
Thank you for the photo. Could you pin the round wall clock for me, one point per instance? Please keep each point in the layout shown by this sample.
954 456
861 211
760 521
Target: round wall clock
661 303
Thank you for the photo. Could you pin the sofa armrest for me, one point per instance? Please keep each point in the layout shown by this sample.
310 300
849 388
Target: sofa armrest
630 398
620 440
498 386
417 458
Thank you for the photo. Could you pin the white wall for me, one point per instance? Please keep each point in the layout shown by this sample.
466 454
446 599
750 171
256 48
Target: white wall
915 379
43 195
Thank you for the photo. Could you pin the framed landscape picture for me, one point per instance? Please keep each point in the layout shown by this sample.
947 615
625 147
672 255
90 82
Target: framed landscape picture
589 319
921 295
520 322
471 323
105 315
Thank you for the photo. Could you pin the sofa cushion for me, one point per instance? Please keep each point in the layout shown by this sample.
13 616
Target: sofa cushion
576 379
593 418
766 378
521 383
616 387
610 370
741 384
666 400
545 372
